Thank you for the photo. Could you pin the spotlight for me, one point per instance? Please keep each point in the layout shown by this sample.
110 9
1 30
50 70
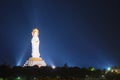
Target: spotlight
53 66
109 68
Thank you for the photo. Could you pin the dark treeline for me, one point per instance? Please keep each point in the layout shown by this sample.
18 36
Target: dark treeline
59 73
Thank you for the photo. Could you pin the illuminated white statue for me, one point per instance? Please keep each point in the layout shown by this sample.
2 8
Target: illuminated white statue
35 59
35 43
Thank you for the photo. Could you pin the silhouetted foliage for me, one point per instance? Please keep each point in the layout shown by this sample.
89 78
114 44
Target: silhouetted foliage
68 73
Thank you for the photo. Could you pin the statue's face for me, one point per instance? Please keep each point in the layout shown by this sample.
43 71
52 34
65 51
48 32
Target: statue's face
35 32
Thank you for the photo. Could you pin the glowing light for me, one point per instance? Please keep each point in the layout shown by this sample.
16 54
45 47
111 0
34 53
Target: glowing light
92 69
109 68
53 66
19 62
35 78
103 76
18 78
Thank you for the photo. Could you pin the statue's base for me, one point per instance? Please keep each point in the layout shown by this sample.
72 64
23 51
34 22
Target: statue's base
35 61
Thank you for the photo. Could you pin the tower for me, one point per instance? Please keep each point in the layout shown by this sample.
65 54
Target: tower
35 59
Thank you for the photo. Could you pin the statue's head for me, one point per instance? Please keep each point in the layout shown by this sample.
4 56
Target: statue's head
35 32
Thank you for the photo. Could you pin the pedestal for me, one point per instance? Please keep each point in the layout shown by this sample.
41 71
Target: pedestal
35 61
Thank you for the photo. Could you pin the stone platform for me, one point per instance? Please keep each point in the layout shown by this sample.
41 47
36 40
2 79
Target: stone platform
35 61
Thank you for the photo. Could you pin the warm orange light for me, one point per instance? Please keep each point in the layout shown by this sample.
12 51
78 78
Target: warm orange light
35 32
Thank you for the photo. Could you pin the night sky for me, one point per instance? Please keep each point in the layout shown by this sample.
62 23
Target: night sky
80 33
